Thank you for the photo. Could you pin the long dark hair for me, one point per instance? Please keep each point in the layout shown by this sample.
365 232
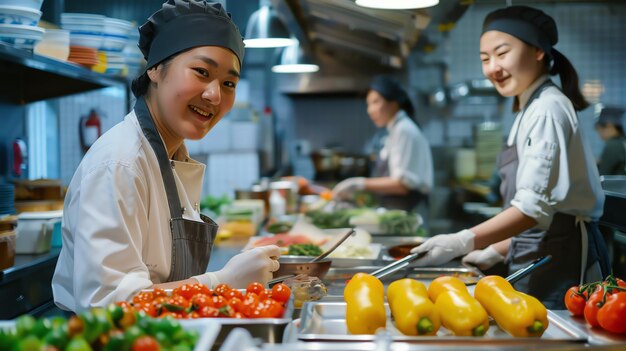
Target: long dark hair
569 80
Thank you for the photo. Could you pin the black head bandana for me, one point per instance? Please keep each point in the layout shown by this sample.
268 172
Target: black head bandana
184 24
528 24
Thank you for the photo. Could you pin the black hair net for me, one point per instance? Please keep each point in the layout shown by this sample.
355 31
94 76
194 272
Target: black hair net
183 24
391 90
528 24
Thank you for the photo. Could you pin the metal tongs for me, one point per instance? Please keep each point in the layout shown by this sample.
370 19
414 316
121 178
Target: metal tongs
397 265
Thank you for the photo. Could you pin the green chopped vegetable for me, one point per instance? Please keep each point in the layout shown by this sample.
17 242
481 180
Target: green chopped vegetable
304 250
279 227
398 222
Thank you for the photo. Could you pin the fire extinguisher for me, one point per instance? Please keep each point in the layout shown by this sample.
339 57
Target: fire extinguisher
90 129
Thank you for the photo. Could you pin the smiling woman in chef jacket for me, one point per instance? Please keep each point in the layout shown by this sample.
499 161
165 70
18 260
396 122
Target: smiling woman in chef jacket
131 218
550 184
403 175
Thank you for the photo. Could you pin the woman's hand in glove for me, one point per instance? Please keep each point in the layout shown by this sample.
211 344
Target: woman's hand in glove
443 248
484 259
347 187
255 265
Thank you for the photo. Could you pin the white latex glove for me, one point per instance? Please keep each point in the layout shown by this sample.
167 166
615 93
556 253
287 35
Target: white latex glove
484 259
347 187
255 265
443 248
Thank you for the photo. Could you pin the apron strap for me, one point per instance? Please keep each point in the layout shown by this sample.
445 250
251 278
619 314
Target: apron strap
580 221
154 138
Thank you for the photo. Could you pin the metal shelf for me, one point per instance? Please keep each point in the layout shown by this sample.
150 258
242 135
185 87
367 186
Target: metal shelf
28 77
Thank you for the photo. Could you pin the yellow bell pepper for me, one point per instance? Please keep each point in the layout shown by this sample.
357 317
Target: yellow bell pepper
460 313
444 283
411 309
516 313
365 304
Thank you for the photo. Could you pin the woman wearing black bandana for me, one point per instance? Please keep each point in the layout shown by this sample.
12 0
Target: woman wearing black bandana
131 219
403 175
551 188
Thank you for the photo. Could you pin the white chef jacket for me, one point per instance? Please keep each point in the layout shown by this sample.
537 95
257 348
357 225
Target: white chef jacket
556 170
116 230
408 154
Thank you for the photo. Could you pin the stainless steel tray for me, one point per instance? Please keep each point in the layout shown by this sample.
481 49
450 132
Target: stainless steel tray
326 321
336 278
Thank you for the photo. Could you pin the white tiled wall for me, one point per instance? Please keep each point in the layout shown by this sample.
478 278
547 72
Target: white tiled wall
227 171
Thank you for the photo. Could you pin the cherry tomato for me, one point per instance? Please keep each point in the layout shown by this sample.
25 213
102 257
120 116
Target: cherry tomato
201 300
145 343
265 294
250 303
209 312
236 304
255 287
621 283
612 316
219 301
274 308
147 307
239 315
574 301
144 296
226 311
222 289
281 292
186 291
592 307
233 293
158 292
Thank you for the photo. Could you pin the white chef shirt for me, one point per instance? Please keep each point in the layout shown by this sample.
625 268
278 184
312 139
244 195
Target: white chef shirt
556 170
408 154
116 230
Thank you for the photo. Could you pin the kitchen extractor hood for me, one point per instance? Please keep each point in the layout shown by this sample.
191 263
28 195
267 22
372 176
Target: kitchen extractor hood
351 43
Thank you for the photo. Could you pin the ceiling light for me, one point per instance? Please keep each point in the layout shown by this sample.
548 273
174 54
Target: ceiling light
397 4
266 30
295 60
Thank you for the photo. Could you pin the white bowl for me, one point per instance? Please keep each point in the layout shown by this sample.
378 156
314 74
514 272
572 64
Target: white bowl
24 37
86 40
81 17
19 15
117 26
87 28
113 43
31 4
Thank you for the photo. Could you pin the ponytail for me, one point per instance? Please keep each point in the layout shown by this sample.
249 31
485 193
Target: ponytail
569 80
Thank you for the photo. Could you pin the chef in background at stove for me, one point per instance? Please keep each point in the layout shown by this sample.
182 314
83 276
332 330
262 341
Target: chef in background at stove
610 127
551 189
403 174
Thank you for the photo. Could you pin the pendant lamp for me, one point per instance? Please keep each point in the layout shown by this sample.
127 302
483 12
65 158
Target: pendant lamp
397 4
294 59
266 30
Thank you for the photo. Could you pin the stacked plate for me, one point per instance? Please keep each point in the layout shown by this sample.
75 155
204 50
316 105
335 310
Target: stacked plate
84 56
18 23
86 29
116 64
7 199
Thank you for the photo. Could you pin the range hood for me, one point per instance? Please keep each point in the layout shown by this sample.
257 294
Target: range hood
352 43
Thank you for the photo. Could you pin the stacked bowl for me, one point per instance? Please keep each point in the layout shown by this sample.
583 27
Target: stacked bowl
18 23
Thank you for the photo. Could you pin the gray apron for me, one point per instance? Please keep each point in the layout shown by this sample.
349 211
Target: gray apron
408 202
563 240
192 241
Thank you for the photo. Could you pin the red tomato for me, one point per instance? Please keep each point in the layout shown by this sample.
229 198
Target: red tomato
274 308
233 293
621 283
227 311
186 291
255 287
236 304
194 315
158 292
222 289
219 301
239 315
281 292
209 312
265 294
145 343
201 300
612 316
591 308
574 301
147 307
144 296
250 303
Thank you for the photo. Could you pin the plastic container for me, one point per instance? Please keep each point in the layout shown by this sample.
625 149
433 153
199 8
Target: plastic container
7 249
34 231
277 204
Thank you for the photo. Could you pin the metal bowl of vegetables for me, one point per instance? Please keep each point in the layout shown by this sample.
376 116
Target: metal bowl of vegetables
294 265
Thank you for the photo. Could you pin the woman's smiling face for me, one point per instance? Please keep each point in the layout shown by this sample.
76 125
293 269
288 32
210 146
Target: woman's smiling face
509 63
194 90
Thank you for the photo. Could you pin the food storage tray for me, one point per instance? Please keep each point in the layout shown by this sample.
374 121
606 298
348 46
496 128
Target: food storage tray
336 278
207 329
326 321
